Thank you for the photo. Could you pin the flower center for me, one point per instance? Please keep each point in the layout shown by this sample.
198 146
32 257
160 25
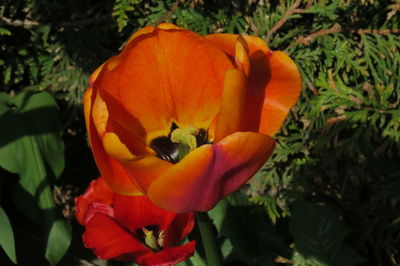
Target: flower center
152 240
186 139
179 142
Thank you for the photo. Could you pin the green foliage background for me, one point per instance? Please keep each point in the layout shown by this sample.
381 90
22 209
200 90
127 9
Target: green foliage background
330 195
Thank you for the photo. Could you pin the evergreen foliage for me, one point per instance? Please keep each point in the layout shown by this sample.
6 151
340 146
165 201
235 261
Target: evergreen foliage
337 157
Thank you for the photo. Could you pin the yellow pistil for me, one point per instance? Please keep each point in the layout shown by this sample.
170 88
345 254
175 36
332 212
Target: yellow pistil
186 137
150 239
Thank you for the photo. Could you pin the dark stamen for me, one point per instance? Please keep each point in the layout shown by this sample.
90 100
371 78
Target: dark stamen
168 150
201 137
165 149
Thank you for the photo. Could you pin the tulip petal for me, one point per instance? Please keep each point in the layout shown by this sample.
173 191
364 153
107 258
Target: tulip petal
231 114
211 172
115 148
170 255
137 212
110 168
108 239
242 55
180 227
87 108
142 31
145 170
98 191
141 85
168 26
96 208
274 83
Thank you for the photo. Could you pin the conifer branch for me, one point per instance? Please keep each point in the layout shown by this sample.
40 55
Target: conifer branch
292 9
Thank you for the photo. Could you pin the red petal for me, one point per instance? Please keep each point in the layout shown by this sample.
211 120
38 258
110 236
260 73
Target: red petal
108 239
180 227
170 256
97 207
135 212
98 191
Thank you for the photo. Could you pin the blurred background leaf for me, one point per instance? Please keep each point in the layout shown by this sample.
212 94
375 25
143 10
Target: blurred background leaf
7 236
31 147
319 233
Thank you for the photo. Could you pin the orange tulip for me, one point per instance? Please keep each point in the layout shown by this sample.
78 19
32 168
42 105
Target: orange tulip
185 119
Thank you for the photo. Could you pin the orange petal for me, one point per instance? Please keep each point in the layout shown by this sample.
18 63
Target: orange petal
162 77
87 107
142 31
242 55
136 145
111 170
115 148
168 26
281 91
145 170
95 74
111 141
211 172
230 118
99 114
274 83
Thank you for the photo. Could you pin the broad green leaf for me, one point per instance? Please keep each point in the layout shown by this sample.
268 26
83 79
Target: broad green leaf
7 236
30 146
4 103
58 241
40 116
254 241
319 233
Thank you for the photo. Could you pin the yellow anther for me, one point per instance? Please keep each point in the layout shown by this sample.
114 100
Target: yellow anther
150 239
186 137
160 239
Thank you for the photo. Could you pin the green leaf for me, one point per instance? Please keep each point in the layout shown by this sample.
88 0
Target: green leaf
7 236
30 146
319 233
194 260
40 116
254 241
4 31
58 241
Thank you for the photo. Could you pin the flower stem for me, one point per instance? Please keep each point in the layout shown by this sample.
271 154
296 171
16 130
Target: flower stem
213 252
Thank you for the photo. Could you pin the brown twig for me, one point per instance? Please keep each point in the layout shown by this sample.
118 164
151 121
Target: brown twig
306 40
168 13
20 23
292 9
336 28
368 31
26 23
253 27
